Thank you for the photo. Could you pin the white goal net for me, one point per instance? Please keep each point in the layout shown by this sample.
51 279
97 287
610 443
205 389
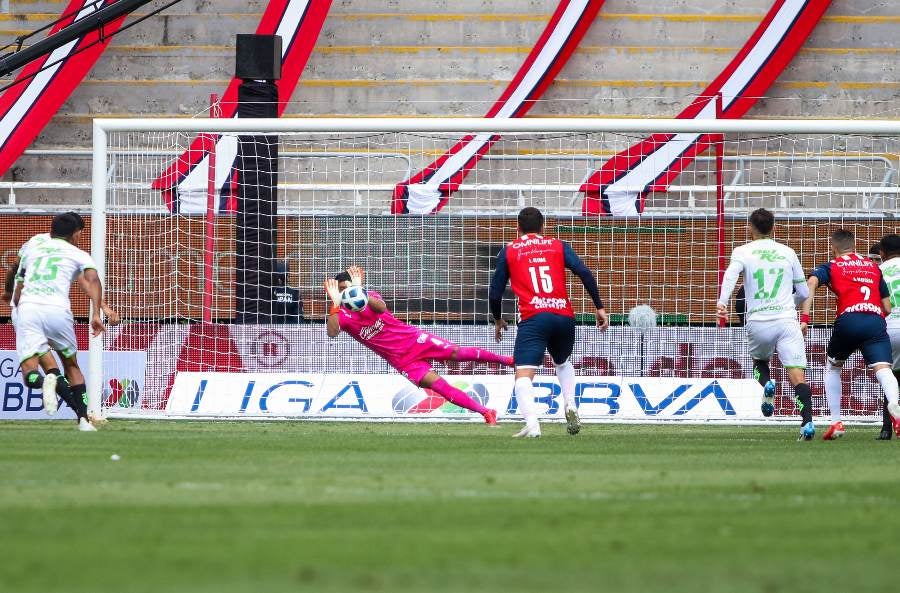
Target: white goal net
222 280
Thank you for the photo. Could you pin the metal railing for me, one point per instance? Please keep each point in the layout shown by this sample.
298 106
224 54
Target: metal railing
885 191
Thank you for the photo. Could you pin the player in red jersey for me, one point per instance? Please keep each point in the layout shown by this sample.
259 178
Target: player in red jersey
862 300
405 347
536 267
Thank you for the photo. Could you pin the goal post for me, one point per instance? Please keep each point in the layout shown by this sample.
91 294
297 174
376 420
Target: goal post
335 183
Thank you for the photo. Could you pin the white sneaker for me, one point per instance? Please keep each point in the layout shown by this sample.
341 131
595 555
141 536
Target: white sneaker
530 431
85 426
51 402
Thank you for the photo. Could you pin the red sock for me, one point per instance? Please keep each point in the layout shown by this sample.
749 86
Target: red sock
455 396
467 353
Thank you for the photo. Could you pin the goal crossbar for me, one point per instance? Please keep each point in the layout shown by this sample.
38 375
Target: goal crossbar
495 125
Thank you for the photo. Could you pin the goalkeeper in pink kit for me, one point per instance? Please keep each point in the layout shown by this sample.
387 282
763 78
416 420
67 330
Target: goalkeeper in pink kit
405 347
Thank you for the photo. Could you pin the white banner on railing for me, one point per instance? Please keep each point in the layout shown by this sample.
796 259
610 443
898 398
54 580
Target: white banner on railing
320 395
122 385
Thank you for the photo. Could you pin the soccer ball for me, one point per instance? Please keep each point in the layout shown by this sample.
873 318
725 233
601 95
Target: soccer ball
355 298
642 318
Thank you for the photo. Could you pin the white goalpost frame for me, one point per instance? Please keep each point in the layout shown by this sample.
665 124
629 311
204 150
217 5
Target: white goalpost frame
462 125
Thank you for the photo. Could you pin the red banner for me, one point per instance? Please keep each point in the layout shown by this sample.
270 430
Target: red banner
621 185
429 190
45 84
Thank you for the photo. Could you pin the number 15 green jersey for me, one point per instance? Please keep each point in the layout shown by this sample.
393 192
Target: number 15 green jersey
47 267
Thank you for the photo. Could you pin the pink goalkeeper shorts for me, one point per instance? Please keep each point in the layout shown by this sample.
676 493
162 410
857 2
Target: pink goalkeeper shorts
427 348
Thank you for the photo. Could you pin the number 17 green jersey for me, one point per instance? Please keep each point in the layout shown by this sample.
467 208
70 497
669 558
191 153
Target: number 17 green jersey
771 271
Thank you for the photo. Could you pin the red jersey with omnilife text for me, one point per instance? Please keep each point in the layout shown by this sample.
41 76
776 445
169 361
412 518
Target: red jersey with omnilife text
856 281
537 272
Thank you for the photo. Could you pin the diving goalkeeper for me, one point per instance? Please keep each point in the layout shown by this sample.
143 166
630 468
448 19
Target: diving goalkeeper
405 347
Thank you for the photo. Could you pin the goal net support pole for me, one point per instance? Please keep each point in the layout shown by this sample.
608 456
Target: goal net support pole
209 244
98 253
719 144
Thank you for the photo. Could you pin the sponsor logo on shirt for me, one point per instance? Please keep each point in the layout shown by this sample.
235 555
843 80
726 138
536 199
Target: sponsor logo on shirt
768 255
531 241
854 263
863 308
548 303
370 331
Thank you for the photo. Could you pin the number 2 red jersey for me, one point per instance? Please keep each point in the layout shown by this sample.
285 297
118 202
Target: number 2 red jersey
856 281
537 272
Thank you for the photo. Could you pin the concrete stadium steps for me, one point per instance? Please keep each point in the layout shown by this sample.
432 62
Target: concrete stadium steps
410 57
850 7
471 97
459 28
611 28
392 62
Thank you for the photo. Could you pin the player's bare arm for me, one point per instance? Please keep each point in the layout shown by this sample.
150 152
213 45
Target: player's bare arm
721 312
578 267
94 290
9 284
112 316
377 305
499 327
729 281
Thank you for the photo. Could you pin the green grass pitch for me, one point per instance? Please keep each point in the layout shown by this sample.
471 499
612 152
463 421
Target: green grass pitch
262 507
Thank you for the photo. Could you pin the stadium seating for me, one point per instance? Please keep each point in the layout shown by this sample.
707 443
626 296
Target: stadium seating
453 58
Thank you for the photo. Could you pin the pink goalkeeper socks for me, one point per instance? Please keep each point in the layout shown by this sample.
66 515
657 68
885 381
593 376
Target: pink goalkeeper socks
467 353
455 396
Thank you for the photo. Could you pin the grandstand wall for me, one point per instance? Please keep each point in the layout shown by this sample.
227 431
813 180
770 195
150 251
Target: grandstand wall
407 57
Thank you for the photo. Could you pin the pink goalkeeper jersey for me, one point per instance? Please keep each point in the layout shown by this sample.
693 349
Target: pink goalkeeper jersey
384 334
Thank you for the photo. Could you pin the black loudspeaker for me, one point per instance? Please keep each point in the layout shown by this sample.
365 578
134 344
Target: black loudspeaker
258 57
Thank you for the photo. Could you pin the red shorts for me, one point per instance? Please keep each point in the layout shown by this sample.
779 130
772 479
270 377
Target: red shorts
417 363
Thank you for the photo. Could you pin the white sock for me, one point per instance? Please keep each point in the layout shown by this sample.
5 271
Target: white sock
888 384
832 380
565 372
525 397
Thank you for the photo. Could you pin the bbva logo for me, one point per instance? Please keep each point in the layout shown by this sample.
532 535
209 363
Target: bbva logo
611 395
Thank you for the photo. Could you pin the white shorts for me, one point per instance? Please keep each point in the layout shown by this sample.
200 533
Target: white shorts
782 335
40 328
894 335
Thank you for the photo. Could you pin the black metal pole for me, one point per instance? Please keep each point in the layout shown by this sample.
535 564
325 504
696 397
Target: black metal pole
12 62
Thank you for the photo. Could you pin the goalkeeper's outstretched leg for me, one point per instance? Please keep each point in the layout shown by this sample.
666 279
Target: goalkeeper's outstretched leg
406 348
